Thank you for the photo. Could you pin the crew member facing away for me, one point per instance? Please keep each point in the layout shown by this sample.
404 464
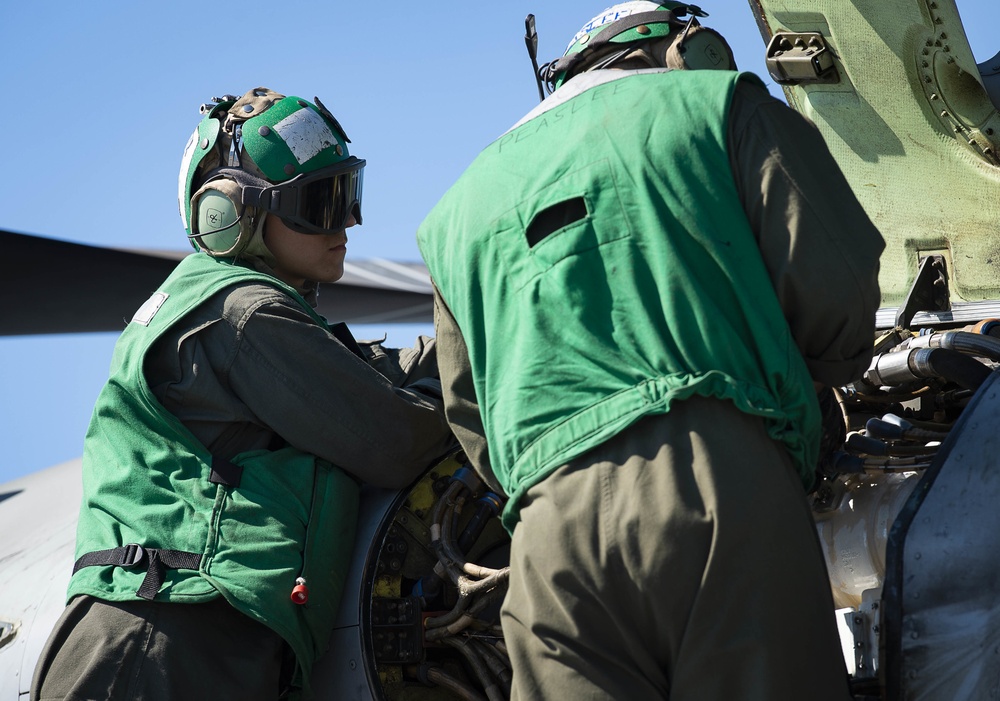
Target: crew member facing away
222 463
637 287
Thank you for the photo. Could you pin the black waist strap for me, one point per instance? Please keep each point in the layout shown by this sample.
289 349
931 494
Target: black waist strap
133 555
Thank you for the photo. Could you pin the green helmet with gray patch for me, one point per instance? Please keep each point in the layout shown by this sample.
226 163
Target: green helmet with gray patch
265 153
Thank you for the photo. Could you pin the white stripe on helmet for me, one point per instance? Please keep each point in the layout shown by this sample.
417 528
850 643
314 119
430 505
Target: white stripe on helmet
182 177
613 14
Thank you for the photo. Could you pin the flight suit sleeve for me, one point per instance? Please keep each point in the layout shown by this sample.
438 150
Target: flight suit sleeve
460 402
414 367
322 398
820 248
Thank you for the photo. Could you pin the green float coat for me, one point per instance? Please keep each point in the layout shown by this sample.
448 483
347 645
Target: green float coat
657 293
146 481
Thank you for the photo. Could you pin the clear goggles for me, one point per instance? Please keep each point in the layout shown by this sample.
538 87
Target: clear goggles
320 202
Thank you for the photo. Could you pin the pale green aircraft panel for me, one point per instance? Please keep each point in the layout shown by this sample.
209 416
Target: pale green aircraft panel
912 128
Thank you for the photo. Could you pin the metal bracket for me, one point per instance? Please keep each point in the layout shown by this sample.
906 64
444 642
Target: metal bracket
864 625
929 292
800 57
397 630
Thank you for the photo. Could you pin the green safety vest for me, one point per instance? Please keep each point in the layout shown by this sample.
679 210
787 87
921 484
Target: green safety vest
148 481
600 266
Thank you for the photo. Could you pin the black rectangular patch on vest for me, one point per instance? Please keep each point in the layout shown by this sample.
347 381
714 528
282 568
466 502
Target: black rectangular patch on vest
555 217
225 473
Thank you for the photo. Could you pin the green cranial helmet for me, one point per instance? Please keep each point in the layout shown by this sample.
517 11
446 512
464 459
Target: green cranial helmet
265 153
620 27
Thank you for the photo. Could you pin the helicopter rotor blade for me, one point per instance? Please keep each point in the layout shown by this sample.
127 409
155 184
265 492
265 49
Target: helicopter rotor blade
55 286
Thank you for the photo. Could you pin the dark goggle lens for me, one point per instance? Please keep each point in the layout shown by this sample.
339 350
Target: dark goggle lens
328 203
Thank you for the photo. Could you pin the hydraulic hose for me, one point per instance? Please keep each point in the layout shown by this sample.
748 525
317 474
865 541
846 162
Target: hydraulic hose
450 616
893 428
436 675
907 425
487 507
485 592
985 327
478 665
867 445
961 341
903 367
497 664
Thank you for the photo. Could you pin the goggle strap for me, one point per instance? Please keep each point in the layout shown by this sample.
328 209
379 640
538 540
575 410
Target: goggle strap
259 193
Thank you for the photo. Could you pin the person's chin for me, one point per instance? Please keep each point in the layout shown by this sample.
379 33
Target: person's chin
334 274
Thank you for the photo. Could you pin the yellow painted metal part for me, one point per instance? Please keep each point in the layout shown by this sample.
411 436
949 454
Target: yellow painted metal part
411 523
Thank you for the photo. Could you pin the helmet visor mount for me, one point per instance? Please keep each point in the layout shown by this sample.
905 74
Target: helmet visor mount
319 202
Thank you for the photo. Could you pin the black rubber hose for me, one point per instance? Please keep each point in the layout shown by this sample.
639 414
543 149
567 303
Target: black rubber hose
903 367
964 371
962 341
436 676
487 507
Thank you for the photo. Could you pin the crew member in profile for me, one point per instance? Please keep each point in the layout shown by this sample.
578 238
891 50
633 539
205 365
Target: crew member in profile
222 464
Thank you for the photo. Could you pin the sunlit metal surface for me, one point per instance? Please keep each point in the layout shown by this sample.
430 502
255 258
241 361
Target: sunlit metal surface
942 625
38 523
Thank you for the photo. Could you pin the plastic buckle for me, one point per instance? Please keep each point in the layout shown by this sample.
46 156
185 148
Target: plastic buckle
134 555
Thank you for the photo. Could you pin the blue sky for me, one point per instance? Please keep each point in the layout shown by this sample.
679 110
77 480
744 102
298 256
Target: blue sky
101 98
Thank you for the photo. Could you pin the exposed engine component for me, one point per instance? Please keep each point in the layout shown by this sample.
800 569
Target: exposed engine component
434 612
436 579
899 415
854 534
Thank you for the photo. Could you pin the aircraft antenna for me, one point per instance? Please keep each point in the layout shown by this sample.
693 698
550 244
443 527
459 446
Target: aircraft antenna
531 42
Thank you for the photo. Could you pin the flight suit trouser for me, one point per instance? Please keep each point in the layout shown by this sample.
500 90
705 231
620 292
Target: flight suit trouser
157 651
680 561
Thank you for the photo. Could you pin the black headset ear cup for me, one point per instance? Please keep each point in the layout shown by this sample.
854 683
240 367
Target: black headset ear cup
700 48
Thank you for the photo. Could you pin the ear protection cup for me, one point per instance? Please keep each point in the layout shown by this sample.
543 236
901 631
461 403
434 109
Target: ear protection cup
700 48
220 226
